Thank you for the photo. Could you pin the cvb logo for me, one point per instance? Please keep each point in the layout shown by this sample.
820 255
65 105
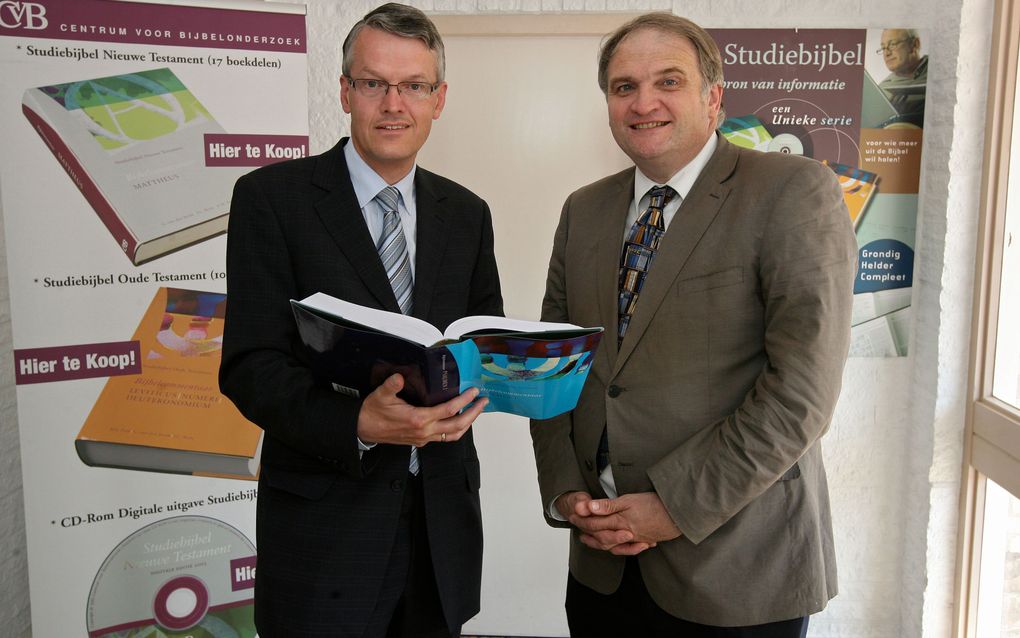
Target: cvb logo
28 15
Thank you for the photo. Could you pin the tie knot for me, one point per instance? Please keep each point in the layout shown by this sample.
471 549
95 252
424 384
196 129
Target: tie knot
389 197
660 196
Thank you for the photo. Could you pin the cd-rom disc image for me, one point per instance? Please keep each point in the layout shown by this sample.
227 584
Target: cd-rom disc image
786 143
174 579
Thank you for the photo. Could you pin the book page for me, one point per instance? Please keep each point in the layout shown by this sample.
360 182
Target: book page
869 305
410 328
872 339
864 308
467 325
899 322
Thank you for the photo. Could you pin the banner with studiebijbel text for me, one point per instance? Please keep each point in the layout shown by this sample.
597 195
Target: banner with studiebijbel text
127 124
853 99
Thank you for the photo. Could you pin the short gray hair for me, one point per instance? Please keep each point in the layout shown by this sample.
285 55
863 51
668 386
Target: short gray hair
402 20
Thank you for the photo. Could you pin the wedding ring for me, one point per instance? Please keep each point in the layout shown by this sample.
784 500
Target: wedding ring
443 437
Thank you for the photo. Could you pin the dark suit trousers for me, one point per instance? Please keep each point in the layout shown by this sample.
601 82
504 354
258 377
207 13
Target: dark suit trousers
408 605
630 611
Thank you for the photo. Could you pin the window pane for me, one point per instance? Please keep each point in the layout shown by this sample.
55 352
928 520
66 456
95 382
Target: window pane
1006 380
999 588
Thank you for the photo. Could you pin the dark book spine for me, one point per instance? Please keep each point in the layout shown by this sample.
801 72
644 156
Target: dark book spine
442 377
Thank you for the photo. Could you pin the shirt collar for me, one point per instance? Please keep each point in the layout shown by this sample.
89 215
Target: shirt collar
367 182
682 180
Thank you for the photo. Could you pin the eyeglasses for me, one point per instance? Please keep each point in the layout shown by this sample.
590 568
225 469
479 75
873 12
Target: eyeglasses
372 88
890 45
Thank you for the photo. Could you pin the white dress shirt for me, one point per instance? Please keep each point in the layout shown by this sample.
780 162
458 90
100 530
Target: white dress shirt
368 184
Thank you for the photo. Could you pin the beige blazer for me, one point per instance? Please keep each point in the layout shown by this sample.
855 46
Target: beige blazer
719 394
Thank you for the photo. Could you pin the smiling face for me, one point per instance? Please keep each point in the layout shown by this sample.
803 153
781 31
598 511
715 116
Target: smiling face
388 131
659 113
905 54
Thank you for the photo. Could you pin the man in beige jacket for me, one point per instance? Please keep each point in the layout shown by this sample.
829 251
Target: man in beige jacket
690 472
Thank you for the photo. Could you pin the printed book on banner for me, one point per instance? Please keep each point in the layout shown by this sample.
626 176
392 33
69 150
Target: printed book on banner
529 368
134 145
172 417
858 188
746 131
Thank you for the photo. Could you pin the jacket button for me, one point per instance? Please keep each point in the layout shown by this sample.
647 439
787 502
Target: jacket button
397 485
614 391
588 464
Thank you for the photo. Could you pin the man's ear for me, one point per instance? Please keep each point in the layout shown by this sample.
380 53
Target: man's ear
345 94
440 102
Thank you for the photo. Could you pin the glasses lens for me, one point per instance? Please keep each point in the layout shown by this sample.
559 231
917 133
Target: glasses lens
417 90
369 88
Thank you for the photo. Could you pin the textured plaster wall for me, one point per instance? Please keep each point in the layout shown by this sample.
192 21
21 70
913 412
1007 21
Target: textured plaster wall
894 451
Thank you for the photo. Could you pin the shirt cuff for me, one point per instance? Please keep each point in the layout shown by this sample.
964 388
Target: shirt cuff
553 512
364 447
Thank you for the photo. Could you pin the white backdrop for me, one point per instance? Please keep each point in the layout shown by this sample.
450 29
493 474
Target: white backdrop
524 126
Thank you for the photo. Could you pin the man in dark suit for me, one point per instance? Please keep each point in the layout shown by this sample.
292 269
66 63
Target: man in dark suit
690 472
368 520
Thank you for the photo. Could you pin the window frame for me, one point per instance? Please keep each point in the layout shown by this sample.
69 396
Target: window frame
992 434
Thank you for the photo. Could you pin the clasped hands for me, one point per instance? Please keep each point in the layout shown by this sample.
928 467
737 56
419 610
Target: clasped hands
386 418
626 526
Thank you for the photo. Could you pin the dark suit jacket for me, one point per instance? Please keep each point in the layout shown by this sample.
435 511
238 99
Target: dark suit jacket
722 388
326 518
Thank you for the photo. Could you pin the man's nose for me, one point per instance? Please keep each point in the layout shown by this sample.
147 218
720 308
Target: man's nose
645 100
391 99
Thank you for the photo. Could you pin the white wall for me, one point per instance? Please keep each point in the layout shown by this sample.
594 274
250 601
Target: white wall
894 450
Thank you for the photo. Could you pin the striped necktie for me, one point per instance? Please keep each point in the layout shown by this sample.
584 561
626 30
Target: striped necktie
393 249
397 263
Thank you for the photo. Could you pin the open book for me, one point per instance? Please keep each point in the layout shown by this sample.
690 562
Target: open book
880 323
530 368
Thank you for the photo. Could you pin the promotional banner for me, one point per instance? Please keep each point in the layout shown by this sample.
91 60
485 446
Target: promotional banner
854 99
127 124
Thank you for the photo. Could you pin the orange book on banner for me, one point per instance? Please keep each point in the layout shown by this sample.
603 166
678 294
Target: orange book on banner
858 185
172 417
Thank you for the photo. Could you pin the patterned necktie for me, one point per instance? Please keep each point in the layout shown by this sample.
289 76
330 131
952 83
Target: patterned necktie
393 249
639 252
397 263
635 261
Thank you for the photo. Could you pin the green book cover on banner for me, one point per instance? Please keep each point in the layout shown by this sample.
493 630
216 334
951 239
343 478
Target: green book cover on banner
746 131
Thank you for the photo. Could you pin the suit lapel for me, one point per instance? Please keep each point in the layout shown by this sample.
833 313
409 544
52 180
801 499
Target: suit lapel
690 223
607 265
341 215
430 241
